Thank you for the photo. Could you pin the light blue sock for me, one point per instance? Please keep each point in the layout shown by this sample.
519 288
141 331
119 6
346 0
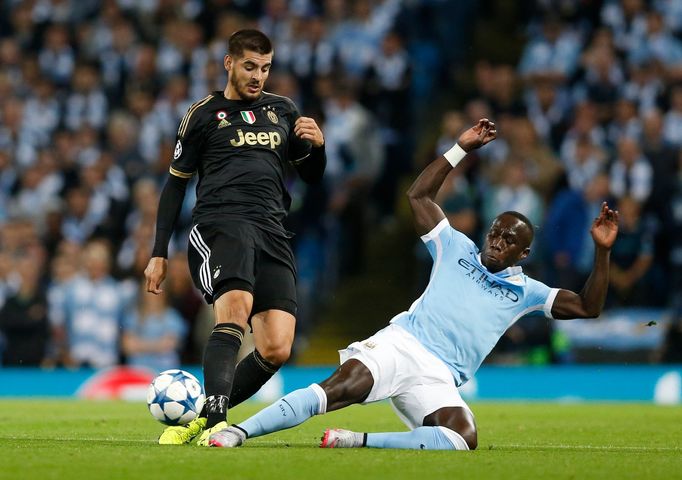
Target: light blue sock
289 411
422 438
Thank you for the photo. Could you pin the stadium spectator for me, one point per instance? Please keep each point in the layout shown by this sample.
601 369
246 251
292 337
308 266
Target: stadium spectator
601 79
386 93
153 333
513 192
659 46
672 120
569 251
587 161
584 125
355 157
87 104
87 312
644 86
312 54
56 58
663 158
547 108
627 21
543 168
550 55
632 258
631 173
24 329
625 122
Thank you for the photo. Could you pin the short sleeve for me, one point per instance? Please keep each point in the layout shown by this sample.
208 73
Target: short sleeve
188 142
442 237
299 149
540 297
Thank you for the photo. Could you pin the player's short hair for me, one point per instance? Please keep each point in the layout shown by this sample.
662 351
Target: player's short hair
248 39
524 219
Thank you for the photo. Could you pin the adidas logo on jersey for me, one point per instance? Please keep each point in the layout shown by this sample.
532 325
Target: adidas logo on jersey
261 138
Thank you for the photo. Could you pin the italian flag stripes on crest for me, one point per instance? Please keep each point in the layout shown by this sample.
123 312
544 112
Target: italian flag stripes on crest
248 116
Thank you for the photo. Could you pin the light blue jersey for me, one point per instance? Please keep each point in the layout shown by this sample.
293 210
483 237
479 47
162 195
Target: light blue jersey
91 312
465 309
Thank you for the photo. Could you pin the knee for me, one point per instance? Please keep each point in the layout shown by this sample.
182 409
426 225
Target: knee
276 354
471 438
458 420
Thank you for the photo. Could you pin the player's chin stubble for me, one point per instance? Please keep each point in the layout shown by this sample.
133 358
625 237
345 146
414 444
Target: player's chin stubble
242 90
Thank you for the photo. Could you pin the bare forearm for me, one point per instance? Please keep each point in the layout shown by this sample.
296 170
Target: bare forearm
427 184
421 195
594 292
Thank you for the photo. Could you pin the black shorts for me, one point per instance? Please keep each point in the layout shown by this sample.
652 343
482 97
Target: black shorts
240 256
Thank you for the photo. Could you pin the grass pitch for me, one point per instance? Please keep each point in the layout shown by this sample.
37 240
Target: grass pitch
50 439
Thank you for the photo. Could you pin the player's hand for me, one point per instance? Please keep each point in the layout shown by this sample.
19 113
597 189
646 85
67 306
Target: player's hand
306 128
605 227
478 135
155 273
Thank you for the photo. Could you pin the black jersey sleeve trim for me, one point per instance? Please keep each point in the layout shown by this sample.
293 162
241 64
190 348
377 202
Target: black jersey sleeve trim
300 160
185 120
178 173
311 167
170 204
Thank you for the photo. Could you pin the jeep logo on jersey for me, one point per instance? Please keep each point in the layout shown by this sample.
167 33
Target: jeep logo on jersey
261 138
248 116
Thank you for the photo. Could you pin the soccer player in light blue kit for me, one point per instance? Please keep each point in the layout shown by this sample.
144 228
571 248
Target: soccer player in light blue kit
420 359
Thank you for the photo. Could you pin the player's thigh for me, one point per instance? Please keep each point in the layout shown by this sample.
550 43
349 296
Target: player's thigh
273 315
222 258
383 357
275 286
351 383
426 404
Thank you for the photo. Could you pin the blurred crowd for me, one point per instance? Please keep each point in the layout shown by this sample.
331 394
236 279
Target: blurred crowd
92 92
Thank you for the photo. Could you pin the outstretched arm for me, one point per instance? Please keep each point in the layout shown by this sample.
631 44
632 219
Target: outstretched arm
590 301
422 193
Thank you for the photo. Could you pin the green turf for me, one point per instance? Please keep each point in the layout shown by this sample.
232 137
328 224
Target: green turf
49 439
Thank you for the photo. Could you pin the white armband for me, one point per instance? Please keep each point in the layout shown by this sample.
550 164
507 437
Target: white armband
455 155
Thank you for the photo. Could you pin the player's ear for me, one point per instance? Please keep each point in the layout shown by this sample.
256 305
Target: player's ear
525 253
227 62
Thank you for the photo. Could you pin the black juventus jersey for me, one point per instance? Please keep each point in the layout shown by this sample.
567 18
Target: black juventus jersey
239 149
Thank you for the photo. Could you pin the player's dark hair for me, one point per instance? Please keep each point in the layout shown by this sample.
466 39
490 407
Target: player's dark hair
524 219
248 39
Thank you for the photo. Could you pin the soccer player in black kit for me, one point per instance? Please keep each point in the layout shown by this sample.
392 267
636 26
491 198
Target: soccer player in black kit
238 141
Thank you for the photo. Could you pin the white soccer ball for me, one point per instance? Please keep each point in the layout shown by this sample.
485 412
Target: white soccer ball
175 397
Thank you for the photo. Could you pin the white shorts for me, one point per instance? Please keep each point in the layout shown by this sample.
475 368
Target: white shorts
416 381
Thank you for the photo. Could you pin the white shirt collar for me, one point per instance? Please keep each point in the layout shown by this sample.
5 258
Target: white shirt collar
511 274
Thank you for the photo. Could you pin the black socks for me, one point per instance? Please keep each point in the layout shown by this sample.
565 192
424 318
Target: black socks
220 358
252 373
